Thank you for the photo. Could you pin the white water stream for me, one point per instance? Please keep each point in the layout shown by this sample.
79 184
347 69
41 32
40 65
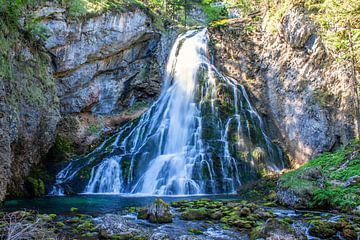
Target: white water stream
199 137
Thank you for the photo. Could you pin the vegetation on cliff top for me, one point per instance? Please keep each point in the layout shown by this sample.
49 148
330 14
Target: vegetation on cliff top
28 72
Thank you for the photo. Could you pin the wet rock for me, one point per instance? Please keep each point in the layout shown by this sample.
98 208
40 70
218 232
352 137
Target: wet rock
245 211
275 229
143 213
195 214
217 215
29 113
113 226
323 229
357 210
159 236
159 212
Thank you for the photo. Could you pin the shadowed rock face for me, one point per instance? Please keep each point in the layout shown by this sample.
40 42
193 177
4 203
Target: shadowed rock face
303 93
27 119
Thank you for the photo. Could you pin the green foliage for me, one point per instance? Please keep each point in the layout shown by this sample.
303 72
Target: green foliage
37 186
94 129
63 146
37 30
339 166
74 209
338 22
32 79
77 8
213 14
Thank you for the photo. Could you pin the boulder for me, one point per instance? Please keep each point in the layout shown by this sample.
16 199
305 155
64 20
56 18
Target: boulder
276 229
159 212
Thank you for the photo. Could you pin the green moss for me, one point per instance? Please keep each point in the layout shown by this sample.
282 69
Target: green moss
195 214
60 224
340 166
37 186
52 216
86 226
63 146
73 209
194 231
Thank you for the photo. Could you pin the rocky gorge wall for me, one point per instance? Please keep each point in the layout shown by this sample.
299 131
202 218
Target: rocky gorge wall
104 65
304 94
105 69
29 108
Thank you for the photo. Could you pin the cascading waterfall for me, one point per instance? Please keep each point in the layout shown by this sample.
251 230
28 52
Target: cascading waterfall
202 136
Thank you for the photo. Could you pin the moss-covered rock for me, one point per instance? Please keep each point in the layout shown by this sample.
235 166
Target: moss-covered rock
313 184
275 229
143 213
159 212
195 214
323 229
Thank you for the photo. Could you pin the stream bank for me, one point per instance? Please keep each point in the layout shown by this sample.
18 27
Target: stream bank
194 218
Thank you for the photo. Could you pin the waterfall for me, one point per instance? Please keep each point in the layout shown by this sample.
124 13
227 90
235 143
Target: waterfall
202 136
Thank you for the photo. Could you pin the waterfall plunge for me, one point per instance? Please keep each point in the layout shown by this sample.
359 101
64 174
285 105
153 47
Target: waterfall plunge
201 136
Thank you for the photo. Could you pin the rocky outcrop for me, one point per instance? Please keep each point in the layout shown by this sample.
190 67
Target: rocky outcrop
304 94
104 64
96 72
299 197
158 212
29 109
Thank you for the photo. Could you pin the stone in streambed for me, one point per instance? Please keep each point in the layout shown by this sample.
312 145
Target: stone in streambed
159 212
159 236
143 213
217 215
275 229
195 214
323 229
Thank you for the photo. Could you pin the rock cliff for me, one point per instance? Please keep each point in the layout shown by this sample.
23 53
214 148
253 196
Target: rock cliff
103 69
104 64
302 91
29 107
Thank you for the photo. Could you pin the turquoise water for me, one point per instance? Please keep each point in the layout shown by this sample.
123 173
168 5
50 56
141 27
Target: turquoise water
94 204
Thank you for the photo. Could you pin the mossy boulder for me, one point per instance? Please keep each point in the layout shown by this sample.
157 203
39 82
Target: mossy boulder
323 229
159 212
143 213
195 214
275 229
216 215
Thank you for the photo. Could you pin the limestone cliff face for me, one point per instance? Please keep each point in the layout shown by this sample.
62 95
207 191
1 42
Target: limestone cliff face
102 67
29 112
303 93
